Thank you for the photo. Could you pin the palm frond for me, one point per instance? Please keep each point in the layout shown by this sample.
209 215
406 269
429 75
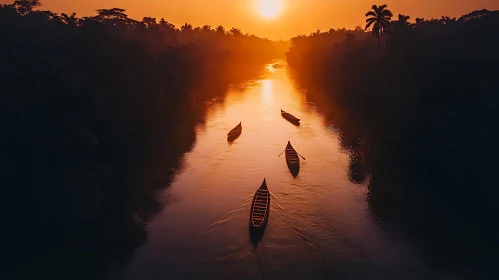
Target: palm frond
374 7
387 13
382 7
384 24
387 21
369 25
371 19
371 13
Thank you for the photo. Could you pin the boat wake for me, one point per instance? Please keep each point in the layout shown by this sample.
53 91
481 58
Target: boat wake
298 232
220 260
221 221
261 264
259 258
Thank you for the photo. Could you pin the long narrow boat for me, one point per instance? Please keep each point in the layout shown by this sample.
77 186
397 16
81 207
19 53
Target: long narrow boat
292 160
260 207
235 132
291 155
290 117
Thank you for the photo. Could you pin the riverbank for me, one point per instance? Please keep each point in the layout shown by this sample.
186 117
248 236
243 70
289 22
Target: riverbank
419 119
95 114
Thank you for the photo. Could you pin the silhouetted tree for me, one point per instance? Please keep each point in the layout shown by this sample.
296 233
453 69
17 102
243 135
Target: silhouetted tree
420 21
403 21
82 100
26 6
379 18
235 31
477 15
69 20
438 76
149 21
448 20
186 27
166 26
220 30
114 16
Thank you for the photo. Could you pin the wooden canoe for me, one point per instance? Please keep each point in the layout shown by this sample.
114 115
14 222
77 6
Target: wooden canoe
235 132
260 207
290 117
292 158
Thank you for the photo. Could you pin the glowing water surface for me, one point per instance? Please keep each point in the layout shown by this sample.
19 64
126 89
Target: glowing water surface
320 225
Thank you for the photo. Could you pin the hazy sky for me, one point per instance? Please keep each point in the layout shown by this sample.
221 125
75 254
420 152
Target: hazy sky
297 17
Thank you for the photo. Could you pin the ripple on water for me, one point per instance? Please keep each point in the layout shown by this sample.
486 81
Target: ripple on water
319 227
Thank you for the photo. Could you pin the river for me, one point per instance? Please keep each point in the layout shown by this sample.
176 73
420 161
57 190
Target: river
320 224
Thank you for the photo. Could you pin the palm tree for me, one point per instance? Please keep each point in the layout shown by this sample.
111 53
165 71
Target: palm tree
380 19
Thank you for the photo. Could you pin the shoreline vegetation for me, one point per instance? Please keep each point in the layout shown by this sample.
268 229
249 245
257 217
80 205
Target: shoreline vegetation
416 106
96 113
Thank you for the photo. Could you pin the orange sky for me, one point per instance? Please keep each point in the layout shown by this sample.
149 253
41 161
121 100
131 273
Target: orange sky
298 17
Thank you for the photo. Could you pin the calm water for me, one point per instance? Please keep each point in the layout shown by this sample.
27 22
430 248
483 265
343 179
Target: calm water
320 225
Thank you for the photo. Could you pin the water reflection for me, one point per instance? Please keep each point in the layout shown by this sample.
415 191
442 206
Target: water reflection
267 91
426 182
294 169
323 228
256 234
86 215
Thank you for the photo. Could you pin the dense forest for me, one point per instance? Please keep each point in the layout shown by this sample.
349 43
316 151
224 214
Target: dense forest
86 103
417 108
97 111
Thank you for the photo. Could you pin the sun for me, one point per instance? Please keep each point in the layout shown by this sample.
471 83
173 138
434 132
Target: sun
269 8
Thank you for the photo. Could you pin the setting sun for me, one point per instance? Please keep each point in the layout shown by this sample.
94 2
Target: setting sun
269 8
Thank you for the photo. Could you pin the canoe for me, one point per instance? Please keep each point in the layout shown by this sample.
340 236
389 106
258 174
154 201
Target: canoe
290 117
292 158
260 207
235 132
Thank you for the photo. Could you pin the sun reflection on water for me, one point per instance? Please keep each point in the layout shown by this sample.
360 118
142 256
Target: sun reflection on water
211 195
267 91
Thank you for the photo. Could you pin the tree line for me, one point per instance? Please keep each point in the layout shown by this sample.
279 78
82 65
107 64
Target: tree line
416 104
94 113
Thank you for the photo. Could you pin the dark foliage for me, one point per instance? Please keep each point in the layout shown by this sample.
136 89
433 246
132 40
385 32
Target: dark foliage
94 114
420 122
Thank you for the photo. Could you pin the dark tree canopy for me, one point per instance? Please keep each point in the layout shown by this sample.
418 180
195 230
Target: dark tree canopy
26 6
83 101
419 122
149 21
69 20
